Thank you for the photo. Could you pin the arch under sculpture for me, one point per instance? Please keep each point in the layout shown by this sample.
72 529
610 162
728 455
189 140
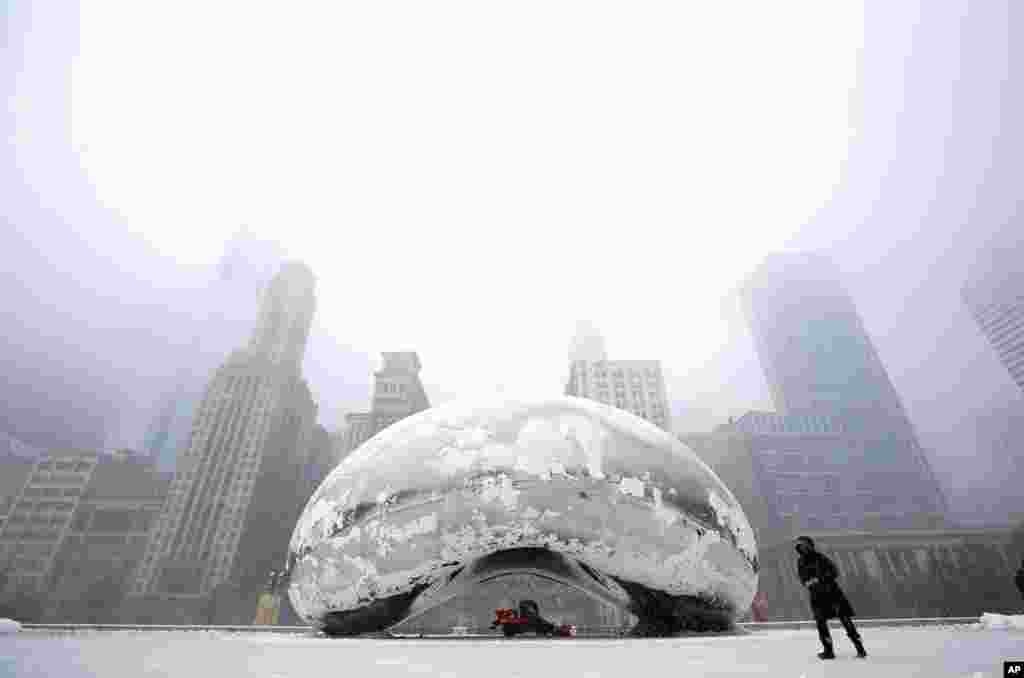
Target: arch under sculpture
566 489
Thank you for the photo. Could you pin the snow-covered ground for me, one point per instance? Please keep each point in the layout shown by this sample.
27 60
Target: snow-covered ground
962 651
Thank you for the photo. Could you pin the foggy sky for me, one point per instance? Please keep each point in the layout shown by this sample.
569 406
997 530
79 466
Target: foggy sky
93 315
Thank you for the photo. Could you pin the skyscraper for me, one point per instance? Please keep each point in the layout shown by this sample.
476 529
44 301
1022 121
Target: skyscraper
225 309
636 386
813 347
819 361
397 393
995 297
240 484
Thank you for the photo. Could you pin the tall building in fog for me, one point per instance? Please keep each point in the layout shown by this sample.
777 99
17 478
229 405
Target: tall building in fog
814 350
819 361
225 311
995 297
242 479
397 393
637 386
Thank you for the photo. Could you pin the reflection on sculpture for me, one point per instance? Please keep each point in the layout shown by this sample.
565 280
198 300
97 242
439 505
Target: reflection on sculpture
566 488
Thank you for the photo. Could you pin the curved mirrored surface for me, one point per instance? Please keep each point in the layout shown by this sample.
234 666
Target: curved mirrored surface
451 485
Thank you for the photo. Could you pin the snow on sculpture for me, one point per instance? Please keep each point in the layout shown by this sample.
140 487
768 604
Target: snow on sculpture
565 488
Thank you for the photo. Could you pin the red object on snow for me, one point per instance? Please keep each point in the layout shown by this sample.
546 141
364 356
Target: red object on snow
506 615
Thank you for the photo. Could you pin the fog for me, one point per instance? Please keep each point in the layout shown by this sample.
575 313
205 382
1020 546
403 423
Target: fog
99 317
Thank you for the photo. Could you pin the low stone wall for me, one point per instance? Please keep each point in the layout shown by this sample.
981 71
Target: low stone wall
959 573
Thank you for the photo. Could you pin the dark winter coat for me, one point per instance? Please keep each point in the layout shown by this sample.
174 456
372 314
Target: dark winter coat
827 599
1019 580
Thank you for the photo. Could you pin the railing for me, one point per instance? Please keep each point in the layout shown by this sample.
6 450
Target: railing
582 631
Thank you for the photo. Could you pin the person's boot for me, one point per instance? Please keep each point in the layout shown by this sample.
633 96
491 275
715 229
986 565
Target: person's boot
857 643
828 653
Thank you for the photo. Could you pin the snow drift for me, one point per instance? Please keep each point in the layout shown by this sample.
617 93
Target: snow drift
991 620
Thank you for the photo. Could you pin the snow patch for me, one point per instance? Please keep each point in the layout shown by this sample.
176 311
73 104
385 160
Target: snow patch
457 458
732 518
9 626
353 534
632 486
424 525
664 514
502 491
991 620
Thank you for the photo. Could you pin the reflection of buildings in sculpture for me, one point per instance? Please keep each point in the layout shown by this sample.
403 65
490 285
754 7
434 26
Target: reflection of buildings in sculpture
242 478
397 393
820 365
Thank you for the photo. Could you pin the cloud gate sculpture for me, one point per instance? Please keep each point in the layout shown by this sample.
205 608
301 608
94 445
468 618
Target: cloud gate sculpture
567 489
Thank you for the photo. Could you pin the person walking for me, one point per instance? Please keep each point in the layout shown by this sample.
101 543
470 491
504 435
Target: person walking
818 574
1019 579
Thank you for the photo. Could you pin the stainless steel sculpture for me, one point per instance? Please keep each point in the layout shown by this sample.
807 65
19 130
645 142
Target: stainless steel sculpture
565 488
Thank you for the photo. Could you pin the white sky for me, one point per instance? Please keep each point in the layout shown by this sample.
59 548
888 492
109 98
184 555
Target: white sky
469 178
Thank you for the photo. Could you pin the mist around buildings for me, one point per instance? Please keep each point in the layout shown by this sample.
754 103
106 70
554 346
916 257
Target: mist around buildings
161 432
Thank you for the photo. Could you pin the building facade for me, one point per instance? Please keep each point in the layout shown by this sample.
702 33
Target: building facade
241 481
106 539
902 573
813 347
226 309
14 471
397 393
894 561
636 386
995 298
169 430
822 369
791 480
321 459
41 517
